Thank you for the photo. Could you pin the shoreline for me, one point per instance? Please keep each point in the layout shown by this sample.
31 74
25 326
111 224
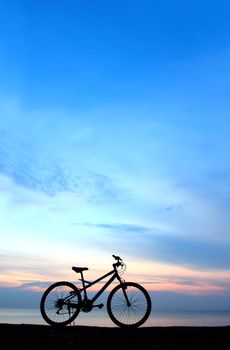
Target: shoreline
44 337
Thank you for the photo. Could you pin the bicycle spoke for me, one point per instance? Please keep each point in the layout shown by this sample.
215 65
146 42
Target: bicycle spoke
133 313
57 303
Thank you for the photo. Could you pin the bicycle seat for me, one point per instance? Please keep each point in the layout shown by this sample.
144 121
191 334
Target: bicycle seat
79 269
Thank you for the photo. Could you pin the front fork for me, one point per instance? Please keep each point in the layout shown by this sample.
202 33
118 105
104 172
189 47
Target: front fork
124 288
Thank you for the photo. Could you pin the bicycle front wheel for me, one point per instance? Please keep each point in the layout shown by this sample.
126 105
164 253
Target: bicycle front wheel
60 304
129 305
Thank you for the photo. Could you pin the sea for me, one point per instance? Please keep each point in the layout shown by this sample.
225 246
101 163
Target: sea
100 318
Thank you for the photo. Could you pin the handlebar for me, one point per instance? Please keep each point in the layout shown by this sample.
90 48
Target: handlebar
119 261
117 258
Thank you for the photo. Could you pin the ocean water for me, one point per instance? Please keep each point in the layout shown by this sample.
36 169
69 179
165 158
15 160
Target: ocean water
101 318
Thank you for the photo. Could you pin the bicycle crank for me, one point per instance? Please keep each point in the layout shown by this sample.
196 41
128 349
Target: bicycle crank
100 306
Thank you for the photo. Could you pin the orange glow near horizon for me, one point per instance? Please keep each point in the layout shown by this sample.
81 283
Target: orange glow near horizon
154 277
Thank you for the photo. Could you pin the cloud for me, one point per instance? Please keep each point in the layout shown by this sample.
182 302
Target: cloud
45 153
189 251
162 300
17 267
173 301
19 298
152 244
119 228
55 179
34 285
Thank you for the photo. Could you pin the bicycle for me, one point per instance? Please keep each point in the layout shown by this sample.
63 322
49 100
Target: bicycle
128 303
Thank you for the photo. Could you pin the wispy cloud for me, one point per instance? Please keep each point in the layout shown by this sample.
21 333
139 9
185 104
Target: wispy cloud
170 248
51 160
118 228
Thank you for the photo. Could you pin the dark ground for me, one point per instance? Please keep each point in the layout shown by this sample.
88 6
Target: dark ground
32 337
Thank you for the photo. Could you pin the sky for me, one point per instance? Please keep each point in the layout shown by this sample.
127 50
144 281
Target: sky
114 139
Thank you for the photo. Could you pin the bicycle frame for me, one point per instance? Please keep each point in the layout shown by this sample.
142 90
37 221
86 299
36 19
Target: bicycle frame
90 284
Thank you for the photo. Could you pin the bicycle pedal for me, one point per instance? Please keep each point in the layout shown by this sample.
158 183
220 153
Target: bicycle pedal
100 306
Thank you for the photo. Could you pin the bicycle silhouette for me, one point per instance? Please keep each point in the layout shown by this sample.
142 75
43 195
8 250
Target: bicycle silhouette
128 304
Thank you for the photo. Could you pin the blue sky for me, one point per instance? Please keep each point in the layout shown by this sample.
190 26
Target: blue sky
114 129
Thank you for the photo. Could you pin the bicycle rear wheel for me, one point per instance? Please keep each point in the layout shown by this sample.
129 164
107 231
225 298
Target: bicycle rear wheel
60 304
129 305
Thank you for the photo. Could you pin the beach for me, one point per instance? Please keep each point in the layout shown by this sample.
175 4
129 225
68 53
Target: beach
39 337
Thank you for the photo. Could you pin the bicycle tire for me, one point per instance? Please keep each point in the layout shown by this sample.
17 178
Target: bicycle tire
136 313
56 312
